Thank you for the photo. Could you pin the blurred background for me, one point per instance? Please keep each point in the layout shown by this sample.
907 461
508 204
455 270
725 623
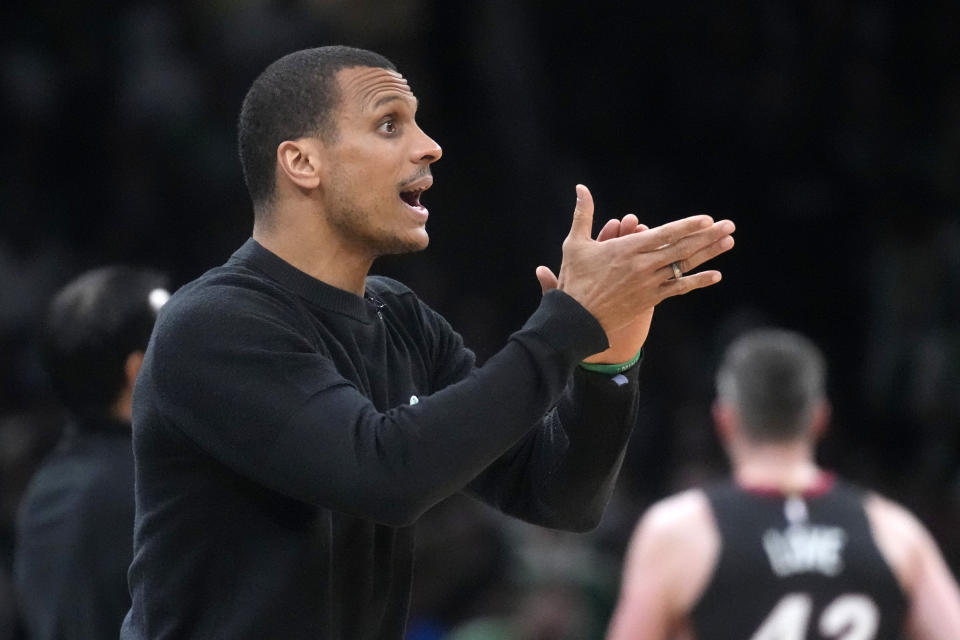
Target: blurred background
828 131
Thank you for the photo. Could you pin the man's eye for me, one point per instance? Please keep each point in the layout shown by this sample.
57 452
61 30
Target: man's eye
388 126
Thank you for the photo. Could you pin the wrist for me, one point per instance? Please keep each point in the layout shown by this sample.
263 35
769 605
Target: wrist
612 368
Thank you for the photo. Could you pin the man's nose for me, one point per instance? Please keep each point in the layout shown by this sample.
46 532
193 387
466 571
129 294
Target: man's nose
427 149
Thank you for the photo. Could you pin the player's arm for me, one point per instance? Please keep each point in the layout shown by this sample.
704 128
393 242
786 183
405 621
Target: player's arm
933 594
670 559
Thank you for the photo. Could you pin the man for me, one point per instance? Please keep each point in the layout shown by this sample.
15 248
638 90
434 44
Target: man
75 523
785 551
295 417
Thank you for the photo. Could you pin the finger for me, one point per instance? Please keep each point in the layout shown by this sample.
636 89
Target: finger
689 283
670 233
610 230
582 214
641 227
682 250
629 224
709 252
547 279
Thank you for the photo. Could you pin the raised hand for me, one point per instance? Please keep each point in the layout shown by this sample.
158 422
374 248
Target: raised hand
623 274
626 341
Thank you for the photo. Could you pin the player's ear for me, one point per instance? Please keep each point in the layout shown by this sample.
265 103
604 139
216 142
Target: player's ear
821 419
299 162
724 420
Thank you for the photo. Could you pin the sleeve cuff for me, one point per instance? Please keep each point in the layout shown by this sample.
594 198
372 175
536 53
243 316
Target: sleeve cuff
566 326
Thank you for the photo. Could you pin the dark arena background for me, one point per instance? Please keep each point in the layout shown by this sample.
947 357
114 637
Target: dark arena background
828 131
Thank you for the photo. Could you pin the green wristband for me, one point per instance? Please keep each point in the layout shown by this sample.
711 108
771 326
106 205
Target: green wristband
612 369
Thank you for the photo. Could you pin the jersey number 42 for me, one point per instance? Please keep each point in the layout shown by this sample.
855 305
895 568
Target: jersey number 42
851 616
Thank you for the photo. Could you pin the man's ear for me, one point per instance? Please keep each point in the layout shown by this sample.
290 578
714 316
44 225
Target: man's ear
299 161
131 367
821 419
724 421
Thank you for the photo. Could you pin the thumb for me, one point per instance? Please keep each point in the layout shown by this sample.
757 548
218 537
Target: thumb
547 279
582 226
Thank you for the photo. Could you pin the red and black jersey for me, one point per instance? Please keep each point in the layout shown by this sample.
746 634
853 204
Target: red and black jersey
797 567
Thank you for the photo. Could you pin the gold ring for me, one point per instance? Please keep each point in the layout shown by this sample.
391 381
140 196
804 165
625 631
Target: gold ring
677 273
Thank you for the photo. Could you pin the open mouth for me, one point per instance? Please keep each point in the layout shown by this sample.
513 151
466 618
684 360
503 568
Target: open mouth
412 198
410 191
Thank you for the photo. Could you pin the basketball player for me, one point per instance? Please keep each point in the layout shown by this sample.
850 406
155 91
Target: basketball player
784 551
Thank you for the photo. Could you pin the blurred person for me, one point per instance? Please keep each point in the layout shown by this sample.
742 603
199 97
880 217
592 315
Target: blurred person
295 416
74 529
784 550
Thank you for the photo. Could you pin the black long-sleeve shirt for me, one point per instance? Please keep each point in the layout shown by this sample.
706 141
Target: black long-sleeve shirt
75 533
288 434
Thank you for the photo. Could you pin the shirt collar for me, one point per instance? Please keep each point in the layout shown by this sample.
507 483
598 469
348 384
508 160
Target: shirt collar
304 285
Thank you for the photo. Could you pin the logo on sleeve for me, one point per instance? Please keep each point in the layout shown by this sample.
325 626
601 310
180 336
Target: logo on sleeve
414 400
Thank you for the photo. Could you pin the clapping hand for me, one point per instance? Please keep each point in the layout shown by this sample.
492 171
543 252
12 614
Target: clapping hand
626 271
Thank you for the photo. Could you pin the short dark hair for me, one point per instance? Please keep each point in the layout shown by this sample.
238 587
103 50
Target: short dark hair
92 325
293 97
775 379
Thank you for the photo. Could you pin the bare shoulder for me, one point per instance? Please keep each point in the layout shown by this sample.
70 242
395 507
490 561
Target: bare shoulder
934 610
670 560
682 515
894 522
678 537
901 537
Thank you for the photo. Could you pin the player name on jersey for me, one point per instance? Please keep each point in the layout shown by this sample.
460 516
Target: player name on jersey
804 548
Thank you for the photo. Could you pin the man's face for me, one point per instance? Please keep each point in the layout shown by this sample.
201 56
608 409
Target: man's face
378 165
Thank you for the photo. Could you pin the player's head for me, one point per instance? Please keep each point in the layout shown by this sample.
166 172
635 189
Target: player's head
774 382
334 129
92 327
